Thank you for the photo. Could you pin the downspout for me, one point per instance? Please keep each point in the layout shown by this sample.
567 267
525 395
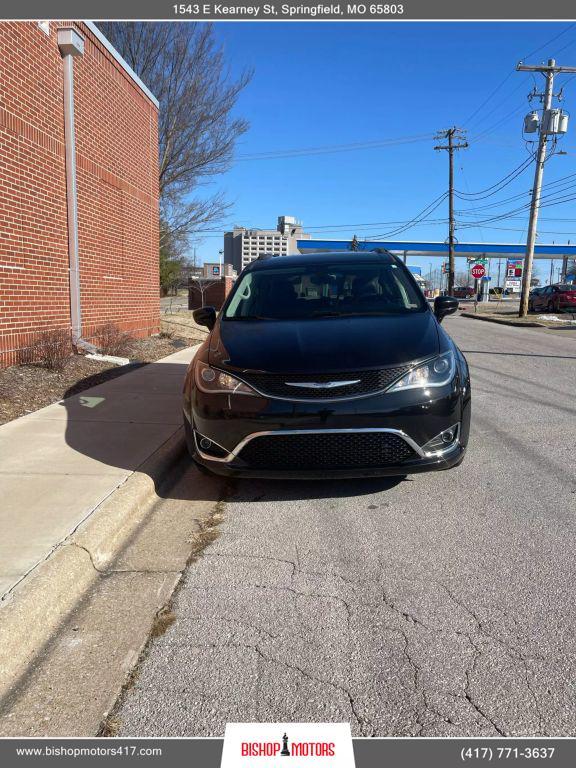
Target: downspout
71 45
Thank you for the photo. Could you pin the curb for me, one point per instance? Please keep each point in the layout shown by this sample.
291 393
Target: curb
498 321
40 604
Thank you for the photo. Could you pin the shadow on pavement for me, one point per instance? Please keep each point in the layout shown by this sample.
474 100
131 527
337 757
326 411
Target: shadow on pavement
117 425
187 482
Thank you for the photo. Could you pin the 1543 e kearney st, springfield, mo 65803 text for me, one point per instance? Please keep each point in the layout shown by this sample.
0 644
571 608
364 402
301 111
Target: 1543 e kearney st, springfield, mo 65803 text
286 10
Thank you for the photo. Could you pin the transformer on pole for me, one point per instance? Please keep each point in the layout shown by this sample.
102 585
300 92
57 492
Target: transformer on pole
554 122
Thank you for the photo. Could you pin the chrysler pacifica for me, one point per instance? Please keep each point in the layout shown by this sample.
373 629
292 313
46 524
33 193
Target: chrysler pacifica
327 365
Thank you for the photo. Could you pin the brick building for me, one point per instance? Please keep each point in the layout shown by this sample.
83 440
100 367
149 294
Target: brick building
116 178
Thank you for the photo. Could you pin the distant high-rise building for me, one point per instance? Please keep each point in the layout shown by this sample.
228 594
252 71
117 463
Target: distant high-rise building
242 245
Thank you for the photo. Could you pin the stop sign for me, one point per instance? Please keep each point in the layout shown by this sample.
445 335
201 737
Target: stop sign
478 271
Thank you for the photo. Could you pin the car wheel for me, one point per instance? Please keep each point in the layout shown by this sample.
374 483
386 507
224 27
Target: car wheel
530 307
550 307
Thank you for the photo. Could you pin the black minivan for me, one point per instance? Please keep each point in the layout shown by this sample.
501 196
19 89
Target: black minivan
327 365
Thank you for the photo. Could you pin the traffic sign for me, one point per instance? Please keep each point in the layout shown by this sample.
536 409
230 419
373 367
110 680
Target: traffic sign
478 271
486 277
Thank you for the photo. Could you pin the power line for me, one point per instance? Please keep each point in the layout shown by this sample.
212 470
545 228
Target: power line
562 182
494 92
509 75
513 174
328 149
506 101
482 136
510 214
469 201
547 43
420 217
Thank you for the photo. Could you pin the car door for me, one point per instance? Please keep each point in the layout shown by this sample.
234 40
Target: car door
538 298
553 298
541 301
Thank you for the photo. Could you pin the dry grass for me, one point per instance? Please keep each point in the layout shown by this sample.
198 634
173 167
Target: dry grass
110 727
163 619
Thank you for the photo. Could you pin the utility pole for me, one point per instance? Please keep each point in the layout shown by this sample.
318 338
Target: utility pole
451 147
546 130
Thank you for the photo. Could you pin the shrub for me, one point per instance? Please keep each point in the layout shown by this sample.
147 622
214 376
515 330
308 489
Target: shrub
113 341
50 349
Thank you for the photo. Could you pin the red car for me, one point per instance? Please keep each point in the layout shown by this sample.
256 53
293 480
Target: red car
553 298
463 292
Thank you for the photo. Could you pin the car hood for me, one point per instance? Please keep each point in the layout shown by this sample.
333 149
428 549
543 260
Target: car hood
325 344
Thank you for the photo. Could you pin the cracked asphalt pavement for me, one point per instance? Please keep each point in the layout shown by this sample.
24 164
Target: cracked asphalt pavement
438 605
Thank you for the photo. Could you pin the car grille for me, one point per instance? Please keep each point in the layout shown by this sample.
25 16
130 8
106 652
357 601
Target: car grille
274 384
327 450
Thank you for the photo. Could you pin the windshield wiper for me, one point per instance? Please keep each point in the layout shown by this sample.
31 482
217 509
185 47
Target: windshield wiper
249 317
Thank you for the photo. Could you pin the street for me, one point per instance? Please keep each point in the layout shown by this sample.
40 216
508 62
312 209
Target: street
438 605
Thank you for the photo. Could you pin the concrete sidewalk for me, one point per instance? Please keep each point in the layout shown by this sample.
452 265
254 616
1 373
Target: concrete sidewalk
59 464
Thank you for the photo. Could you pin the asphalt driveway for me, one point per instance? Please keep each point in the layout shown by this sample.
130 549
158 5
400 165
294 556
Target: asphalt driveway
442 604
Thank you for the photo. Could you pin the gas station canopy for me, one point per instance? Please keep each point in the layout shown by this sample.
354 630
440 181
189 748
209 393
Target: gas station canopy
440 249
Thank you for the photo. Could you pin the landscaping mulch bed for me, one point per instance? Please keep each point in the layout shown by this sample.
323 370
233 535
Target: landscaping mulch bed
182 324
26 388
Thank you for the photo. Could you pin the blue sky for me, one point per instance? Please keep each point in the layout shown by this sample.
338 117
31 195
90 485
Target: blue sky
324 84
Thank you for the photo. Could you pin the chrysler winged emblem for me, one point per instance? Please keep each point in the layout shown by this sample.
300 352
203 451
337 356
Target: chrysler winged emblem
321 384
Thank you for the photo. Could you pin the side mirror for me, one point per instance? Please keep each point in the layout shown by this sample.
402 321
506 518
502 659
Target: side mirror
205 316
444 305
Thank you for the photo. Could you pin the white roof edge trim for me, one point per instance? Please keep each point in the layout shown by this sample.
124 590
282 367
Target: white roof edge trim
126 67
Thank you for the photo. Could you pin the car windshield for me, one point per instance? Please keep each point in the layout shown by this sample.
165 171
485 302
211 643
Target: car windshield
325 290
566 287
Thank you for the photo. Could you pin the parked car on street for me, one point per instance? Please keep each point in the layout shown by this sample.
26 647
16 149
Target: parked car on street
464 292
324 365
553 298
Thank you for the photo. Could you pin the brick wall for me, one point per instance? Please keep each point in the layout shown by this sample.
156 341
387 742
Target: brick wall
117 177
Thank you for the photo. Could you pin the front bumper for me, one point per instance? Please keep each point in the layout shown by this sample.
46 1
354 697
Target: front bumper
233 465
410 418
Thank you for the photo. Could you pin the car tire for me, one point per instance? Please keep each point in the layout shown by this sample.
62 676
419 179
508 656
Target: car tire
530 307
550 307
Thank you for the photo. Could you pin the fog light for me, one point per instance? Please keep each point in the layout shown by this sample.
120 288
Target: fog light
209 447
443 442
208 374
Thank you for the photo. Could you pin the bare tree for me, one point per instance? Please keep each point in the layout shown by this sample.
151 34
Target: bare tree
462 278
200 285
185 69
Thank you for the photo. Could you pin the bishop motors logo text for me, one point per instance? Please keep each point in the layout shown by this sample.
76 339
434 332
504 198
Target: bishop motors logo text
287 749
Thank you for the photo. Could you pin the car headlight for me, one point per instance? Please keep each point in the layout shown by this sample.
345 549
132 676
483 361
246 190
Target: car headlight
213 381
434 373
